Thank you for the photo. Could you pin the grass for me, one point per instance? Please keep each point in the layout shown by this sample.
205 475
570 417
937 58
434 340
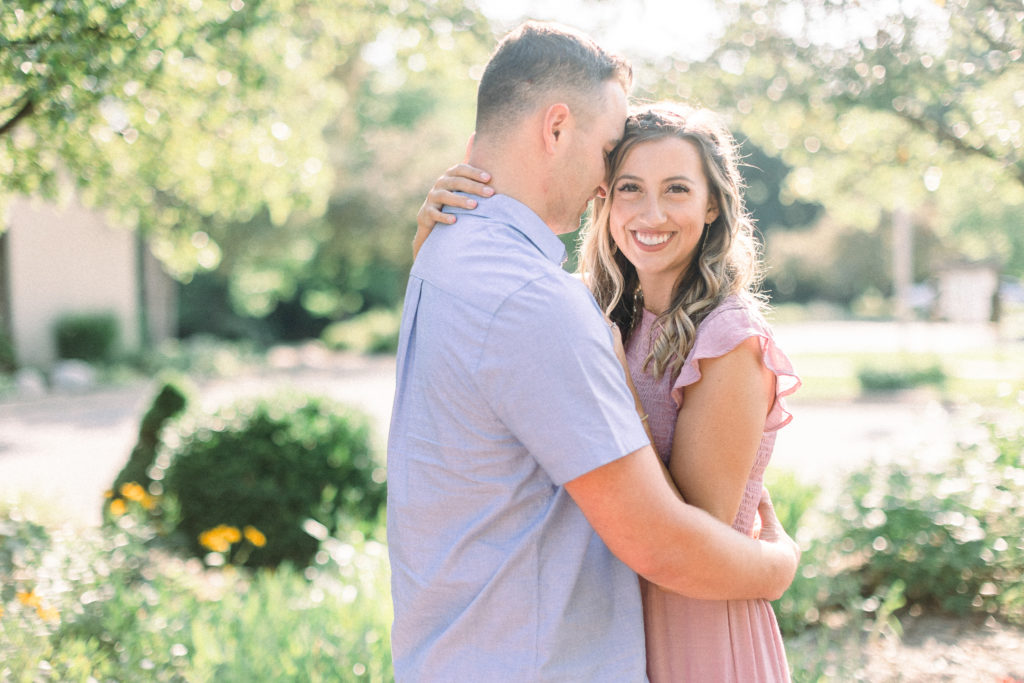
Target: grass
980 376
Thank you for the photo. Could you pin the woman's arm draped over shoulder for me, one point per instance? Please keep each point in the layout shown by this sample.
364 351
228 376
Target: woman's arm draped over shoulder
458 178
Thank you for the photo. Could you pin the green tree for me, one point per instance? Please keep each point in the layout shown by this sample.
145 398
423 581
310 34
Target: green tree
410 93
283 143
170 115
182 115
878 106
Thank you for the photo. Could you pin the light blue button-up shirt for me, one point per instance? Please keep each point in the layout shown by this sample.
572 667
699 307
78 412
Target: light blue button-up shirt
507 388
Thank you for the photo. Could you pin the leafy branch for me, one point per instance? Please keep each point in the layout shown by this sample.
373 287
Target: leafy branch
26 110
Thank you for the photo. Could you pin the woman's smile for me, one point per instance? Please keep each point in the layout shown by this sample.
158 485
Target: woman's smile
660 203
651 240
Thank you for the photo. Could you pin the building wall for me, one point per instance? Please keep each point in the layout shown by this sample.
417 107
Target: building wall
966 293
64 260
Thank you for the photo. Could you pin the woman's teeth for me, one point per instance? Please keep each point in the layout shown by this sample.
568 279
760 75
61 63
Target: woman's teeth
652 239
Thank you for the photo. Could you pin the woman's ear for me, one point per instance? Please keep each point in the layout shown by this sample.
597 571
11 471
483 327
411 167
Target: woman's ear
712 212
602 191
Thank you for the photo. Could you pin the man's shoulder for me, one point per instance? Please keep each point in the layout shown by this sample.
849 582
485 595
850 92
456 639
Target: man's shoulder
483 260
552 306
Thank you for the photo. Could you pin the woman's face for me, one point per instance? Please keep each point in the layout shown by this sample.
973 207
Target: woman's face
660 203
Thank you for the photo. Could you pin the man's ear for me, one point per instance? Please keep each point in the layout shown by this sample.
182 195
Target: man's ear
557 122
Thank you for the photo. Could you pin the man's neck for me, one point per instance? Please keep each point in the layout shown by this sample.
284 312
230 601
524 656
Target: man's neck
514 173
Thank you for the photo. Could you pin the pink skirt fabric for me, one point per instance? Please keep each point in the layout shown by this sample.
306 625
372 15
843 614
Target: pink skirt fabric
711 641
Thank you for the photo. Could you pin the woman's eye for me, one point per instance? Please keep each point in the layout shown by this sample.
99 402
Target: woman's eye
627 187
677 189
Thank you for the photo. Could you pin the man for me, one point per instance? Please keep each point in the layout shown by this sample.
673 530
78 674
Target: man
514 435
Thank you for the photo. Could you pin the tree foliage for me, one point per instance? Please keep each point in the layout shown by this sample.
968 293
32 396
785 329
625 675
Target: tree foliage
878 106
409 105
168 114
195 119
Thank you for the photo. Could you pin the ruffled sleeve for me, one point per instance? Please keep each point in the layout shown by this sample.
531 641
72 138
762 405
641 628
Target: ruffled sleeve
721 332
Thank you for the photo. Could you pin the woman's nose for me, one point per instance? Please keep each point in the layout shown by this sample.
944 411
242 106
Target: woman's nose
651 214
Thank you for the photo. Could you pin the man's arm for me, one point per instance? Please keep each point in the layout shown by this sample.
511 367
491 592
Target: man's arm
552 378
645 523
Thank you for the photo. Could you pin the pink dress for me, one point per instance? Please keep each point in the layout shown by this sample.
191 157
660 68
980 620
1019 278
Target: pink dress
720 641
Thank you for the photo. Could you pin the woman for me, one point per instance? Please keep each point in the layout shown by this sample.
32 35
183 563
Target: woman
671 259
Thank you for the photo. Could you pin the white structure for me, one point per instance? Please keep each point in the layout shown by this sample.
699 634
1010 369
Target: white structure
967 291
60 260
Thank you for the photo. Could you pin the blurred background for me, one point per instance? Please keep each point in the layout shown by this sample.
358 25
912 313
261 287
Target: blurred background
252 170
224 192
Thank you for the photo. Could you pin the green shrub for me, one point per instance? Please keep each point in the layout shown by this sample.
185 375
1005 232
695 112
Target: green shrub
169 401
54 583
952 536
374 331
201 356
812 589
260 469
948 534
8 360
90 337
894 379
101 605
940 536
790 497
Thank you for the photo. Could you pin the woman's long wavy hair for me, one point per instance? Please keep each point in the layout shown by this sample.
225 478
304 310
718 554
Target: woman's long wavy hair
728 258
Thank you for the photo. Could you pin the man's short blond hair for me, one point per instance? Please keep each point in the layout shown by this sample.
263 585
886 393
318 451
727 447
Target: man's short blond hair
539 59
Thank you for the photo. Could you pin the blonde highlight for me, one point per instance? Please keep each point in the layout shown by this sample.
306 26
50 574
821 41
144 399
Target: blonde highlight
727 262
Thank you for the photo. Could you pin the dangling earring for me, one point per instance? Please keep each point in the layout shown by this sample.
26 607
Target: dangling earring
638 300
704 237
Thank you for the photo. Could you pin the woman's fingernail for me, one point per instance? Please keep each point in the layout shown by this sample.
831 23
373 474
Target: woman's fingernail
472 204
488 191
486 176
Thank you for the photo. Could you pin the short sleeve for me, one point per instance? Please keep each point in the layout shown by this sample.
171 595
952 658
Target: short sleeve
550 374
721 332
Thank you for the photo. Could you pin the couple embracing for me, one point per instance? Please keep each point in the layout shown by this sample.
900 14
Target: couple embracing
554 437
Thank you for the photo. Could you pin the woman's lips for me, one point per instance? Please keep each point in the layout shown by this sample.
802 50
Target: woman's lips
651 239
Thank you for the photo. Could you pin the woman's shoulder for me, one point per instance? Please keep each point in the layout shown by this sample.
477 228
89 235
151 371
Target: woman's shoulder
735 313
733 321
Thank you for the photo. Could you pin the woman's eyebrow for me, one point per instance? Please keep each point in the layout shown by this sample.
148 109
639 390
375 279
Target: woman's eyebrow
664 180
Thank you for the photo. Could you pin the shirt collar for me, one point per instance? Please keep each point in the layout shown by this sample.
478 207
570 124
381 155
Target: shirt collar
521 218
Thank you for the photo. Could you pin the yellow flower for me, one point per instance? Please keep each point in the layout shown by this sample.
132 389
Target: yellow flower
220 538
133 491
30 599
255 536
48 613
231 533
117 507
211 540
